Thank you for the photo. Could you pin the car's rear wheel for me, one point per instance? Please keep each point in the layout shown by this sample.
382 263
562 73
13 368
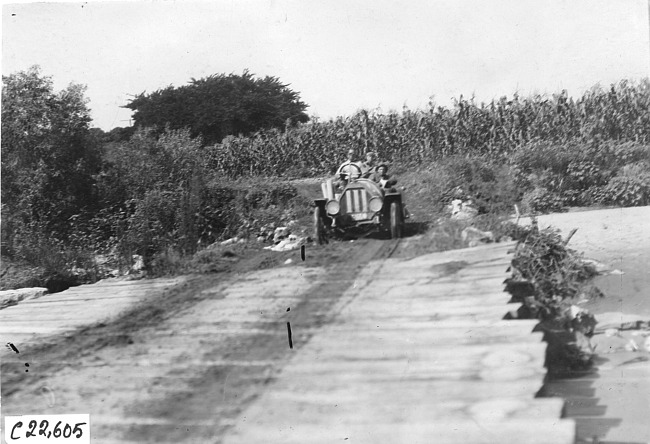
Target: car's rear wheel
395 220
319 227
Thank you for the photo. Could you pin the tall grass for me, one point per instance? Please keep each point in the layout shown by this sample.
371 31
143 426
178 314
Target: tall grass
620 113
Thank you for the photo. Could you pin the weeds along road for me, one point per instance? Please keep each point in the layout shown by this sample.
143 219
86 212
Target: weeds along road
181 363
612 403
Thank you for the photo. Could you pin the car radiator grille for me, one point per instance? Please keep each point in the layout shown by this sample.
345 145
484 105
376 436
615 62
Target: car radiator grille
355 201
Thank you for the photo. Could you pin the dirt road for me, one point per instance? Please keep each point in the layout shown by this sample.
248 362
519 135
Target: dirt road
403 348
181 363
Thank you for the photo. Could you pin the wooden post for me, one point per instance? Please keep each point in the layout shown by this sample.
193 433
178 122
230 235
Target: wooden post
571 233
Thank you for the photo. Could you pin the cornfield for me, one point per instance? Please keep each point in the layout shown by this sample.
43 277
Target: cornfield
621 113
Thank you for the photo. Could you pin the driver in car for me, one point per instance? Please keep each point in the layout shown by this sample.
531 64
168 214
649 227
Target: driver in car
347 171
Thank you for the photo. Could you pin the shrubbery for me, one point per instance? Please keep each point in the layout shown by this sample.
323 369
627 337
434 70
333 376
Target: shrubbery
158 199
549 279
164 192
578 174
167 201
630 187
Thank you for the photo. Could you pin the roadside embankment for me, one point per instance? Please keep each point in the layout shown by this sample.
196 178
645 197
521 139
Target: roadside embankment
611 402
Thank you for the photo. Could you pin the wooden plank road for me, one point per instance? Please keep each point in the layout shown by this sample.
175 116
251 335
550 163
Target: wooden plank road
413 351
36 321
418 353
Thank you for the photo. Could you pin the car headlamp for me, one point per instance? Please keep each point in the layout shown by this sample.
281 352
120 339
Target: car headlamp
332 207
375 204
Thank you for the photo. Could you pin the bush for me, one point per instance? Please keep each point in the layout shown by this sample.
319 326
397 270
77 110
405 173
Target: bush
541 200
168 262
557 272
153 226
488 183
166 225
557 176
61 264
631 187
556 276
49 158
628 152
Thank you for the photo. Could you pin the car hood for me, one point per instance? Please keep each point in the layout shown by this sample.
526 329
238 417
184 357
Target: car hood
370 186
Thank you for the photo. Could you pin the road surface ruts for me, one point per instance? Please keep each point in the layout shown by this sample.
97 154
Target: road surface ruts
181 366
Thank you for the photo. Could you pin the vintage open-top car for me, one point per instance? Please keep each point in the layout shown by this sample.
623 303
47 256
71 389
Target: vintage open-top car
364 206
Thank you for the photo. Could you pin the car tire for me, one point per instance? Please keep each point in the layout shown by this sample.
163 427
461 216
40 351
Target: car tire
395 221
319 227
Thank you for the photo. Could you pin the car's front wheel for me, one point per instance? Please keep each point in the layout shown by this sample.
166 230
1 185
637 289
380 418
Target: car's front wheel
395 220
319 227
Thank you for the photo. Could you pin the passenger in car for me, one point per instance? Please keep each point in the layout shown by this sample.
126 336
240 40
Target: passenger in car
368 166
381 176
350 158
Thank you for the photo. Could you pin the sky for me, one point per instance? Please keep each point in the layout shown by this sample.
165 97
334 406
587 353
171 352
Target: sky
341 56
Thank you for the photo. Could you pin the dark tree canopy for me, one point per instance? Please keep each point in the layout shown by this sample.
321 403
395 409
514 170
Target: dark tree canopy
220 105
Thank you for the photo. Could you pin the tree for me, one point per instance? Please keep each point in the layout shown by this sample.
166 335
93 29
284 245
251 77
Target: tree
48 155
220 105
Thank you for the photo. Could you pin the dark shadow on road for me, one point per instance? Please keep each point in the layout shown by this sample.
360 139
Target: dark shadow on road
408 230
581 404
